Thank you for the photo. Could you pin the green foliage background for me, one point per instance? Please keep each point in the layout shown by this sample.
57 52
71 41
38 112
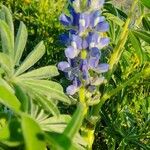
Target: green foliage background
125 115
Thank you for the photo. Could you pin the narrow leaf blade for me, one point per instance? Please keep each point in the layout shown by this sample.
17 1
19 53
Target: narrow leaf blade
32 58
41 73
20 42
7 39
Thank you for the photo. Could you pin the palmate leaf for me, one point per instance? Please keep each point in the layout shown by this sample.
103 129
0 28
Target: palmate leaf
41 73
32 58
33 135
9 99
20 42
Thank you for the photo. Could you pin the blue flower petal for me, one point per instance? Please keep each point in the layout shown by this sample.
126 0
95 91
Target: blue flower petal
76 42
95 52
63 65
102 27
93 62
84 22
71 52
75 16
77 82
64 38
96 18
65 20
93 39
104 42
101 68
71 90
85 44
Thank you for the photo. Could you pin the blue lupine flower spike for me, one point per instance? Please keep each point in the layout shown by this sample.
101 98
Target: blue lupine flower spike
84 42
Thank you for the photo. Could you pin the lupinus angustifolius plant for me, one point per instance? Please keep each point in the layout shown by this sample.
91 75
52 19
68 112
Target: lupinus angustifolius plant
86 38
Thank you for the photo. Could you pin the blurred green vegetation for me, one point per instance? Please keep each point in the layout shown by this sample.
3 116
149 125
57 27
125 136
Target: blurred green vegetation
41 18
125 116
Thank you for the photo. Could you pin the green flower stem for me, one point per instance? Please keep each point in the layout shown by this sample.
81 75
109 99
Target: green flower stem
82 99
86 133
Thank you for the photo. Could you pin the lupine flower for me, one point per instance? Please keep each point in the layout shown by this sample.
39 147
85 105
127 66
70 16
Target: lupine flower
84 43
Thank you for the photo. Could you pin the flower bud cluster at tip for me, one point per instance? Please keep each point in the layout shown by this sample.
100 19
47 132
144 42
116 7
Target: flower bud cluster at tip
84 43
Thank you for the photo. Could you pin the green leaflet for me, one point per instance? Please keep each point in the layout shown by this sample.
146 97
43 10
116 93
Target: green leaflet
9 99
22 97
6 85
48 88
6 39
20 42
41 73
5 62
33 135
48 105
5 15
32 58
